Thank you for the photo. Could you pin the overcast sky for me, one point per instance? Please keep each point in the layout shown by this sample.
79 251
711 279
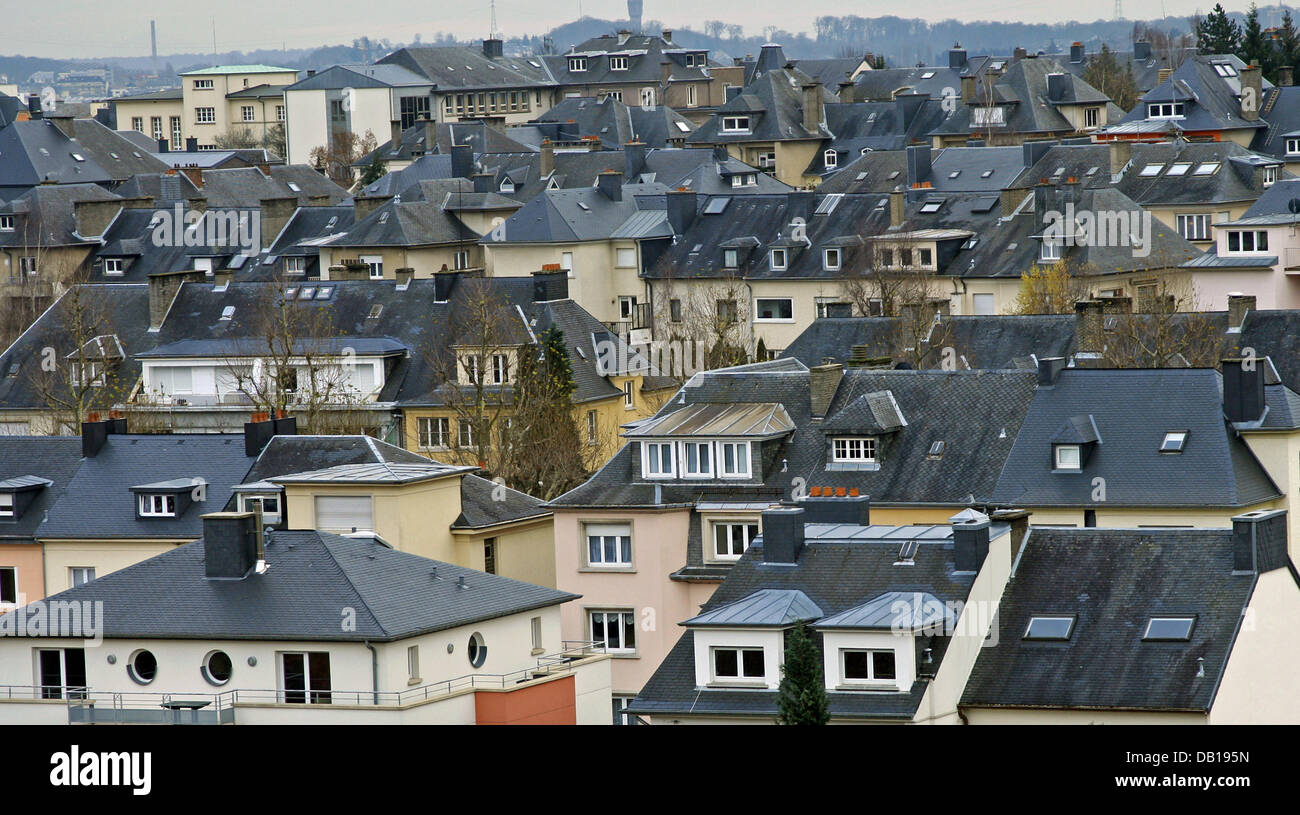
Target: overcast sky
86 28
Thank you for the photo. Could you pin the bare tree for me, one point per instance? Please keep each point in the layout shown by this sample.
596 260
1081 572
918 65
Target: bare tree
706 318
237 138
1165 330
345 148
1050 289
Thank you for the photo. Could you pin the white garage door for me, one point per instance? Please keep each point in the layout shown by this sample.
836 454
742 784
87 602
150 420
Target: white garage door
343 513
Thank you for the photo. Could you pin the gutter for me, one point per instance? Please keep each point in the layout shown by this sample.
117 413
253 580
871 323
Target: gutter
374 669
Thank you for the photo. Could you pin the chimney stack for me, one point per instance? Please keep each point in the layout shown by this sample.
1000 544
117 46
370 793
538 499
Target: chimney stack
493 48
1056 87
1285 76
634 153
681 210
258 434
610 184
550 284
547 164
91 218
854 510
1120 153
918 164
364 205
846 92
1243 389
1089 328
395 134
1076 52
1049 370
164 145
232 545
1239 305
462 161
163 288
823 382
957 57
897 207
812 107
444 283
968 89
1259 541
1251 92
93 436
275 214
483 182
1141 51
783 535
970 543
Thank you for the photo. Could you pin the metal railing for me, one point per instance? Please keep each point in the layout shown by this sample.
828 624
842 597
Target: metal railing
88 706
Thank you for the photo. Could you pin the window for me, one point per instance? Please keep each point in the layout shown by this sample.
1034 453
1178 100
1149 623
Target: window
137 123
609 545
629 400
1165 110
735 124
1292 146
268 505
1174 441
1208 168
657 460
247 114
205 116
1178 168
615 630
566 262
6 505
1270 176
60 669
295 265
412 109
344 513
114 266
203 84
831 259
1091 116
217 668
577 64
476 650
886 257
730 540
156 127
647 97
1194 227
776 308
621 716
626 305
6 223
1169 629
465 433
732 664
625 258
142 667
691 98
375 264
87 374
500 369
279 113
733 456
870 665
925 258
80 575
988 116
697 460
8 586
1247 241
1067 456
854 449
778 259
675 310
730 258
1151 170
27 267
1051 250
831 159
305 677
618 63
1049 628
158 506
727 312
413 663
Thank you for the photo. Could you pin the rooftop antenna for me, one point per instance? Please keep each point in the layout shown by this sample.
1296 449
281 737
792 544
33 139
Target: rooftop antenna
214 41
492 29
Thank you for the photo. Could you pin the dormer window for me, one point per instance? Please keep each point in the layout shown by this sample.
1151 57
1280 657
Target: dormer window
1051 251
1174 441
1247 241
6 505
268 505
733 459
868 666
618 63
854 449
988 116
738 664
831 259
1292 148
155 505
6 223
831 159
1165 110
1067 457
735 124
577 64
1270 176
779 258
730 258
657 460
697 459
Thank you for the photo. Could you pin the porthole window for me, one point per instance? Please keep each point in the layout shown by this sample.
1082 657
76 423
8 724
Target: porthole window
477 650
217 668
142 667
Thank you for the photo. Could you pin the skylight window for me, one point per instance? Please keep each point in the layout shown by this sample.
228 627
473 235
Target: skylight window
1049 628
986 174
1092 171
324 292
954 173
1225 69
936 450
893 175
931 206
1180 168
294 187
306 292
1169 629
1174 441
1151 170
227 312
1208 168
928 75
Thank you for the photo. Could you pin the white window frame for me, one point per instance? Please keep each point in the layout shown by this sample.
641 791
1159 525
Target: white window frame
832 257
295 264
249 502
577 64
830 159
13 573
1165 110
872 680
1194 226
731 258
778 258
157 505
80 575
735 124
1091 118
7 504
854 449
1049 251
500 369
737 531
6 223
1293 147
114 267
703 459
205 116
652 459
376 265
1258 240
203 84
1071 462
758 310
738 450
741 677
247 113
629 396
617 614
618 63
604 533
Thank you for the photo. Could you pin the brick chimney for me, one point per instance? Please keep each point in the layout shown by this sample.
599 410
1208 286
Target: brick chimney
364 205
93 217
194 174
1252 90
1120 153
846 92
276 212
547 164
395 134
968 89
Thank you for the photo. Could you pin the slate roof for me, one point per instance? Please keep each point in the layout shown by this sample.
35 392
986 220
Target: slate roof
614 122
1211 102
774 103
895 611
360 75
1132 410
579 214
644 55
98 502
1281 109
45 215
311 576
765 608
484 503
53 458
978 169
404 223
1113 581
1022 91
452 68
836 575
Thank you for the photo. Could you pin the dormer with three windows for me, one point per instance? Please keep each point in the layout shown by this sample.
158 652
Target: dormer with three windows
709 442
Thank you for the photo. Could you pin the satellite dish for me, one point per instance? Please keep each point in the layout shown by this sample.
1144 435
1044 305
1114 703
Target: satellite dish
1294 206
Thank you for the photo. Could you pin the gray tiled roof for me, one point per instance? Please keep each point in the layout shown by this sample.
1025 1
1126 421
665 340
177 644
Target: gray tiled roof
311 576
1113 581
52 458
764 608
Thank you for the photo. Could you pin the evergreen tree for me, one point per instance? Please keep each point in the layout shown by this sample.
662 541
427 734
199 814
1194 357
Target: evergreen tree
543 438
1217 34
1254 48
1288 40
802 697
374 171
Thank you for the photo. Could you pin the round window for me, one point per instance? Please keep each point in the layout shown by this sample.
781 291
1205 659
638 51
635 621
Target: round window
217 668
477 650
142 667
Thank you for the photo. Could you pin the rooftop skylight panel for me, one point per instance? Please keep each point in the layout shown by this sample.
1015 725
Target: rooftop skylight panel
931 206
716 206
893 175
970 243
682 126
290 292
829 203
1092 171
1208 168
583 206
986 174
227 312
306 292
1174 441
861 176
1180 168
954 173
1049 628
1169 629
324 292
1151 170
294 187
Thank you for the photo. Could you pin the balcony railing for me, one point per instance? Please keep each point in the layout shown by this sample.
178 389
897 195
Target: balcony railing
88 706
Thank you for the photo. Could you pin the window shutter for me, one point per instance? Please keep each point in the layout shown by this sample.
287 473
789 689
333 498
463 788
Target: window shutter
344 513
